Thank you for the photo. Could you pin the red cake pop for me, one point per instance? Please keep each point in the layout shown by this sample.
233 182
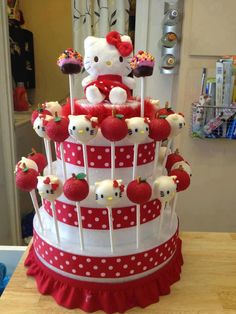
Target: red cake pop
41 110
183 179
139 191
57 129
114 128
76 188
39 159
164 112
172 159
26 179
159 129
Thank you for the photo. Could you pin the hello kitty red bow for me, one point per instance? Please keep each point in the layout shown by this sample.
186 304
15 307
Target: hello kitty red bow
124 47
53 185
116 185
93 123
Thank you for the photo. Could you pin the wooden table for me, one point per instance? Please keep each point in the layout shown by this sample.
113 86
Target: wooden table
207 285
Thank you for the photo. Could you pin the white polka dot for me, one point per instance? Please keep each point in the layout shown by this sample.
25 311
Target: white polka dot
166 245
110 267
121 164
118 225
122 149
68 145
150 259
128 156
140 155
92 149
107 150
81 266
59 211
132 209
139 263
153 216
165 258
152 157
145 206
168 248
42 255
156 250
76 223
131 223
125 266
106 164
145 268
61 267
50 261
64 151
64 206
95 267
46 252
118 260
87 273
144 161
91 163
145 147
42 243
88 260
154 203
161 254
62 254
144 219
149 153
73 271
90 225
104 212
96 219
125 217
67 263
156 263
146 254
104 226
102 274
103 261
56 258
90 211
74 258
73 154
133 258
149 211
69 215
131 271
82 217
117 274
78 162
153 144
99 157
64 219
51 249
119 211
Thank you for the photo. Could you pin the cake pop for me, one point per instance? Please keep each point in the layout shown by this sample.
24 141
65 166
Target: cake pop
164 112
138 131
70 61
41 110
53 107
26 162
185 165
139 192
39 159
177 123
50 188
114 128
109 193
172 159
164 189
76 189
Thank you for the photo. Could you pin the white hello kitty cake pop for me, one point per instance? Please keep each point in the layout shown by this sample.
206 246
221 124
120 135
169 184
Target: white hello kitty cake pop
26 162
113 237
83 128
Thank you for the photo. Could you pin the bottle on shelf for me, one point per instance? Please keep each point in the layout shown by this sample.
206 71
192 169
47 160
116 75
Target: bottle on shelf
169 40
168 61
171 17
20 98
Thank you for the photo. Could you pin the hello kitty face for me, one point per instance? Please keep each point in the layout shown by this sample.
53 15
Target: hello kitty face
40 123
103 58
53 107
28 163
109 192
177 123
138 129
49 187
165 188
83 128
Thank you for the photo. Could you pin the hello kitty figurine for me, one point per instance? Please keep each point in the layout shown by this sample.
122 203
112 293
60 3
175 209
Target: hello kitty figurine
40 123
177 123
138 129
165 188
107 60
83 128
109 192
49 187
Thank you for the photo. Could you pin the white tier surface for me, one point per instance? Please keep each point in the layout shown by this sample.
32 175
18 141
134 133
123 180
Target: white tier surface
97 242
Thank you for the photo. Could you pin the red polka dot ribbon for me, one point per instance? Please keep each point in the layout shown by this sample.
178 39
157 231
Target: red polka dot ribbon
100 156
97 218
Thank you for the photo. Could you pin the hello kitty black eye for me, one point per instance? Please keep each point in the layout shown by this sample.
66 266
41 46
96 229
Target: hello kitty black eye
73 128
95 59
47 191
101 195
87 129
38 127
121 59
136 130
116 194
146 129
168 192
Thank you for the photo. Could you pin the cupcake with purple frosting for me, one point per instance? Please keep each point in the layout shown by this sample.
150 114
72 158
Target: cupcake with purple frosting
142 64
70 61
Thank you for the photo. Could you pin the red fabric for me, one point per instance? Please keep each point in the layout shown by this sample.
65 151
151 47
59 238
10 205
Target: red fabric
100 156
105 83
104 110
110 298
97 218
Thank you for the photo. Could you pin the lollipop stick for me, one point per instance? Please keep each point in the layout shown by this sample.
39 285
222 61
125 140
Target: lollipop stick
137 225
55 221
36 207
85 161
112 160
135 160
109 209
48 154
63 161
80 226
166 153
142 97
71 85
163 205
173 207
156 158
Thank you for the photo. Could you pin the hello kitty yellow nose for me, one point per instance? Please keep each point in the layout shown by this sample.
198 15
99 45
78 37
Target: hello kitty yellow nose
109 198
108 63
81 131
142 131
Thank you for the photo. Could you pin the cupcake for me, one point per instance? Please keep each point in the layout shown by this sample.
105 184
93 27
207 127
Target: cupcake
142 64
70 61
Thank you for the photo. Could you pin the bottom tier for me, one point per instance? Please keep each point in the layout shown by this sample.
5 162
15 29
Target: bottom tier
109 297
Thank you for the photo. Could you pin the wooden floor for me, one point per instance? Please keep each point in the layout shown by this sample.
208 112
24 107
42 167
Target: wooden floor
207 285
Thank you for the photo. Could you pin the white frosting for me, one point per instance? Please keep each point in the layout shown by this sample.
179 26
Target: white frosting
177 123
50 190
165 188
28 162
81 128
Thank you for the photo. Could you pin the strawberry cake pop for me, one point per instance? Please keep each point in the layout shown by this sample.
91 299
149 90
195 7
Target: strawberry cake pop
50 188
114 128
41 110
76 189
172 159
57 130
109 193
138 131
185 165
164 189
159 129
39 159
26 180
139 192
164 112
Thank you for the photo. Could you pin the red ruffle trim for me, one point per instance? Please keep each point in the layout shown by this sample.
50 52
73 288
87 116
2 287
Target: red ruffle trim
110 298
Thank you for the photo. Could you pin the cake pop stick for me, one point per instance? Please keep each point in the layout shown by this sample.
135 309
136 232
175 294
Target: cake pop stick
70 62
26 180
108 193
114 129
57 130
142 98
138 131
169 143
50 188
139 192
164 189
83 128
76 189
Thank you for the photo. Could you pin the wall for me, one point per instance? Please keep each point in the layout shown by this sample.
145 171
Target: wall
210 203
51 23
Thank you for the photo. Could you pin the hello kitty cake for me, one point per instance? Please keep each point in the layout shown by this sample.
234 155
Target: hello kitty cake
106 230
